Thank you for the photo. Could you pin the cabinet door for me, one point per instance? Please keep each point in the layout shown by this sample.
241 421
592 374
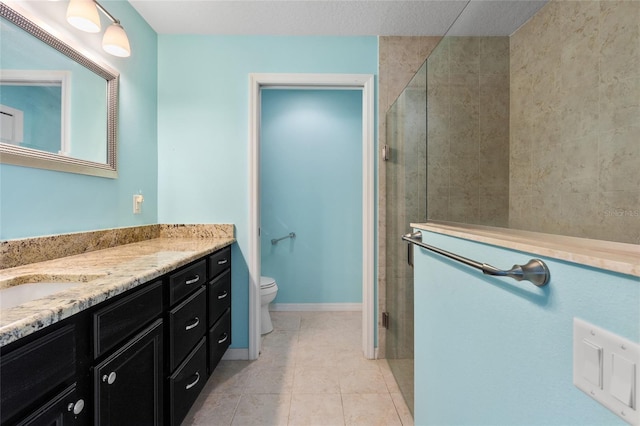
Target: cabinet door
128 384
63 410
36 371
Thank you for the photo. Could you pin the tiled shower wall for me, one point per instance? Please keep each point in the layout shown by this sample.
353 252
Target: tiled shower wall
468 131
575 121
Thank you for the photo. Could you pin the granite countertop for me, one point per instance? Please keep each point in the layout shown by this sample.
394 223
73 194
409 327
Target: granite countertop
105 273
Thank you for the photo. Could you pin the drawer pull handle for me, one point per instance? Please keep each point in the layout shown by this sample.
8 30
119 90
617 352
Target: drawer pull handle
195 382
193 280
224 338
222 261
194 324
110 378
223 295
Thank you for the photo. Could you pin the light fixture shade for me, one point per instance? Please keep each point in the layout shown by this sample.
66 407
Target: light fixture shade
115 41
83 14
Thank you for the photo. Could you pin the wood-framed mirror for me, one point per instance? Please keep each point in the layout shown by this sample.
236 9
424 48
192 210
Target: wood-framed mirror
58 107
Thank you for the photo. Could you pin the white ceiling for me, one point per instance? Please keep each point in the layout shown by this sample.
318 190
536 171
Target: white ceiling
336 17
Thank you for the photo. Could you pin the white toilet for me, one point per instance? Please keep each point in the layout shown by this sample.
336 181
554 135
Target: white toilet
268 291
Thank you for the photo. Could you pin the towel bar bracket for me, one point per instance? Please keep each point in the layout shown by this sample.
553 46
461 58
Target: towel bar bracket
274 241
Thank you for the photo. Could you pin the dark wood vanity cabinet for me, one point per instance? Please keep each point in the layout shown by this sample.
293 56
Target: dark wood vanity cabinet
38 379
219 315
128 355
186 368
139 358
200 328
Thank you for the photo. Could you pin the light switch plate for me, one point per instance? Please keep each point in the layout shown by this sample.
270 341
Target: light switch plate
605 367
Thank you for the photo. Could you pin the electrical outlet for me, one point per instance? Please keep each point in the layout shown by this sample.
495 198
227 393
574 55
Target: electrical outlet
137 203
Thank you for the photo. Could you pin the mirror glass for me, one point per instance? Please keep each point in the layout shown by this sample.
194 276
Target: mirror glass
57 107
536 128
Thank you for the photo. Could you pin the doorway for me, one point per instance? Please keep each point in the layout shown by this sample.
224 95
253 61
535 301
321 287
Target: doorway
311 197
363 83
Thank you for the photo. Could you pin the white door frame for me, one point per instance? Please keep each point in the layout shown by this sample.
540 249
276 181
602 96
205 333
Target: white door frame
362 82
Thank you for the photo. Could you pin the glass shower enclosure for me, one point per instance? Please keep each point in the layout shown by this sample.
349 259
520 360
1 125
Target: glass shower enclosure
406 185
452 127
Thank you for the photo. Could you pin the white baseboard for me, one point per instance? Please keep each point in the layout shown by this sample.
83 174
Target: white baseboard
236 354
300 307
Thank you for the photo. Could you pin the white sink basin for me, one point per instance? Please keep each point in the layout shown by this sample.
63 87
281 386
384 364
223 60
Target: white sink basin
23 293
19 294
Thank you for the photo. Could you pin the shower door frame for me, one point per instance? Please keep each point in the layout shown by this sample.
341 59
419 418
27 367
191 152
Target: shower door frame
365 83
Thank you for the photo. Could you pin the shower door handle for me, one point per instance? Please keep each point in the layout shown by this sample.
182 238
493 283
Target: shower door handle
416 235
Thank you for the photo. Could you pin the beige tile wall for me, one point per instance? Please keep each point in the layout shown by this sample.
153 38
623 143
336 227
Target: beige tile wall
575 121
468 131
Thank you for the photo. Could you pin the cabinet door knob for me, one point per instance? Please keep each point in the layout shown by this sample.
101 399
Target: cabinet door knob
193 324
223 338
223 295
110 378
77 407
195 382
193 280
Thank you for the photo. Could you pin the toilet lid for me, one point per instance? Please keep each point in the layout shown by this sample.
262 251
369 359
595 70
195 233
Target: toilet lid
267 282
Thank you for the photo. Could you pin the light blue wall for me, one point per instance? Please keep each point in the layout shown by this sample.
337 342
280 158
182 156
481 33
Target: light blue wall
311 184
492 351
203 115
35 202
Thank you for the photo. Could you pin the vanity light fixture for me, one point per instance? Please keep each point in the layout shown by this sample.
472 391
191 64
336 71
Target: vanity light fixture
83 14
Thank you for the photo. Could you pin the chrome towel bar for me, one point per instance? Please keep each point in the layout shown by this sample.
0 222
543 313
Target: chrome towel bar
535 270
274 241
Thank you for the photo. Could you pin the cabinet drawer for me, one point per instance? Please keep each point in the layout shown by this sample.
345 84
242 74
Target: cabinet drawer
36 369
187 324
187 382
119 320
188 280
219 261
219 296
219 339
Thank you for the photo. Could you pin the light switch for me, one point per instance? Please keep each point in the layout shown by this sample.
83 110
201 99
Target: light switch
623 375
605 368
592 363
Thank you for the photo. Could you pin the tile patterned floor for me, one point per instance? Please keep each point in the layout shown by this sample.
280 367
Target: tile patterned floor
311 372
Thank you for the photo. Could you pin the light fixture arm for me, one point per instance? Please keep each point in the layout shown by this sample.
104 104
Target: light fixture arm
106 12
83 14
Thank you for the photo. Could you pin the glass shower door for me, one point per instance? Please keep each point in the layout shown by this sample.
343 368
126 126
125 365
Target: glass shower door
406 188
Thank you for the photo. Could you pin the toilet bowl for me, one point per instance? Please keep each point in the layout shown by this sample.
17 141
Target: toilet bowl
268 291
